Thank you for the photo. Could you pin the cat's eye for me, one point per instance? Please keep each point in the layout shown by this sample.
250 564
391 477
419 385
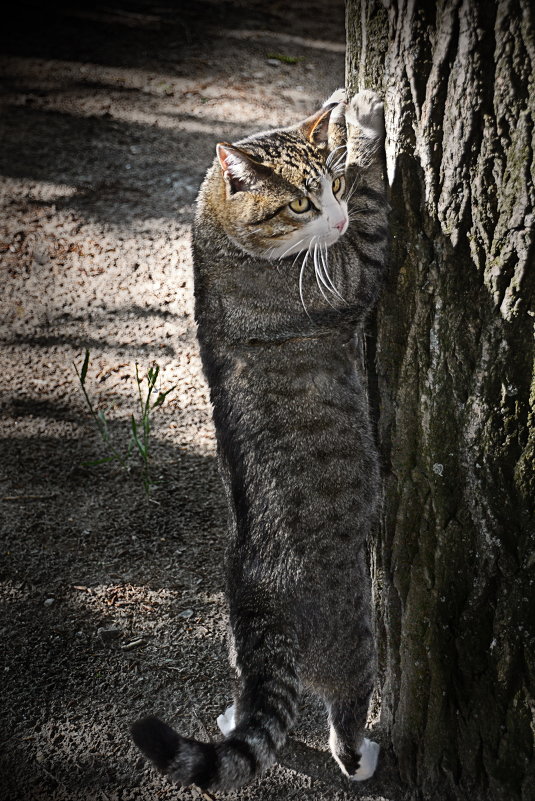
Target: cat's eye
338 185
300 205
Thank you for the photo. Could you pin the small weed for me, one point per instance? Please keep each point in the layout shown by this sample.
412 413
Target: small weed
284 59
140 427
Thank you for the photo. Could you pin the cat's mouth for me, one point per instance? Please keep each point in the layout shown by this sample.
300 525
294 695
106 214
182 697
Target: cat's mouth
323 239
332 235
336 232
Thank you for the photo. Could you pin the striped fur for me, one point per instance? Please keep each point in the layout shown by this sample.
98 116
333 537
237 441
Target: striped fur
268 708
298 459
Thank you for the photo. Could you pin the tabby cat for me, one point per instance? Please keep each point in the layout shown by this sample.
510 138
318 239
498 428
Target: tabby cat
289 249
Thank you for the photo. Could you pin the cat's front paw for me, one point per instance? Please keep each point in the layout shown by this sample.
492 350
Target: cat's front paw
366 110
339 96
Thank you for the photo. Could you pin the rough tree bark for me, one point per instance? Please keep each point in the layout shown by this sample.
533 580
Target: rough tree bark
450 358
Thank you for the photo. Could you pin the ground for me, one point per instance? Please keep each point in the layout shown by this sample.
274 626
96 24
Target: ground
112 602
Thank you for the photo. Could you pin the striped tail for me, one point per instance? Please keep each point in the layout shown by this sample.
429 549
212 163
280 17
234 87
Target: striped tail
267 709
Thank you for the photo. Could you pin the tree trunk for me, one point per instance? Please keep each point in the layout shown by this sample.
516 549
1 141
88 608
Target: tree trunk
450 360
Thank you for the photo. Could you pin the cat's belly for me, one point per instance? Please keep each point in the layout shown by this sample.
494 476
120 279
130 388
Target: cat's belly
302 472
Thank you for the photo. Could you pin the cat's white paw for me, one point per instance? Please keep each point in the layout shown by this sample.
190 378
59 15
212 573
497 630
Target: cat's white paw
227 721
369 755
339 96
366 110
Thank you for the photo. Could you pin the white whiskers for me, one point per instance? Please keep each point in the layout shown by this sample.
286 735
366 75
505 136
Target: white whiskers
334 162
319 274
325 260
291 247
318 250
352 189
301 274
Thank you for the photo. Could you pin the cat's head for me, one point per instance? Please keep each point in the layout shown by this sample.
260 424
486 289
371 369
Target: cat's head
283 191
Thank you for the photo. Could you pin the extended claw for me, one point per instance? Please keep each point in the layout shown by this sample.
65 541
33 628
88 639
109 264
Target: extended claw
339 96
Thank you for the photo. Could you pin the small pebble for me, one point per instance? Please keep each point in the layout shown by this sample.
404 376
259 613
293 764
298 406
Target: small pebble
49 601
185 613
133 644
108 634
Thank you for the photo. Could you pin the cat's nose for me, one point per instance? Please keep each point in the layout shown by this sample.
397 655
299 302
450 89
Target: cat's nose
340 225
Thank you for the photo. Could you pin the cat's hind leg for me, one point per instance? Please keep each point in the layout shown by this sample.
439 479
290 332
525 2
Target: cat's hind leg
356 755
226 723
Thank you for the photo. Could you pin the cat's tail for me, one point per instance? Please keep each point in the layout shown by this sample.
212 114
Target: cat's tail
266 711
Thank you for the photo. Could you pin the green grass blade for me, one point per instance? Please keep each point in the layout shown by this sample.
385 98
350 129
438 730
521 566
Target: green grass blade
95 462
101 417
85 365
139 444
284 59
162 396
152 376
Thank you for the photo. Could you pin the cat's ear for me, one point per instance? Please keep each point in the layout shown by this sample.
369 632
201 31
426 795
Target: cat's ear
316 127
241 172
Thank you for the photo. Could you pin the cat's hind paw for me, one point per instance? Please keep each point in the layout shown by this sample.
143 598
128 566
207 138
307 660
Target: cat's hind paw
227 721
366 110
359 764
369 755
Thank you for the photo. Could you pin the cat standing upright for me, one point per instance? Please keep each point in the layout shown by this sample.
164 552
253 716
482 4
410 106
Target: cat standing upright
289 251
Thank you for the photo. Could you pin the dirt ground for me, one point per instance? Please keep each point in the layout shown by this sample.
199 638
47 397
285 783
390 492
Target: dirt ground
112 604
